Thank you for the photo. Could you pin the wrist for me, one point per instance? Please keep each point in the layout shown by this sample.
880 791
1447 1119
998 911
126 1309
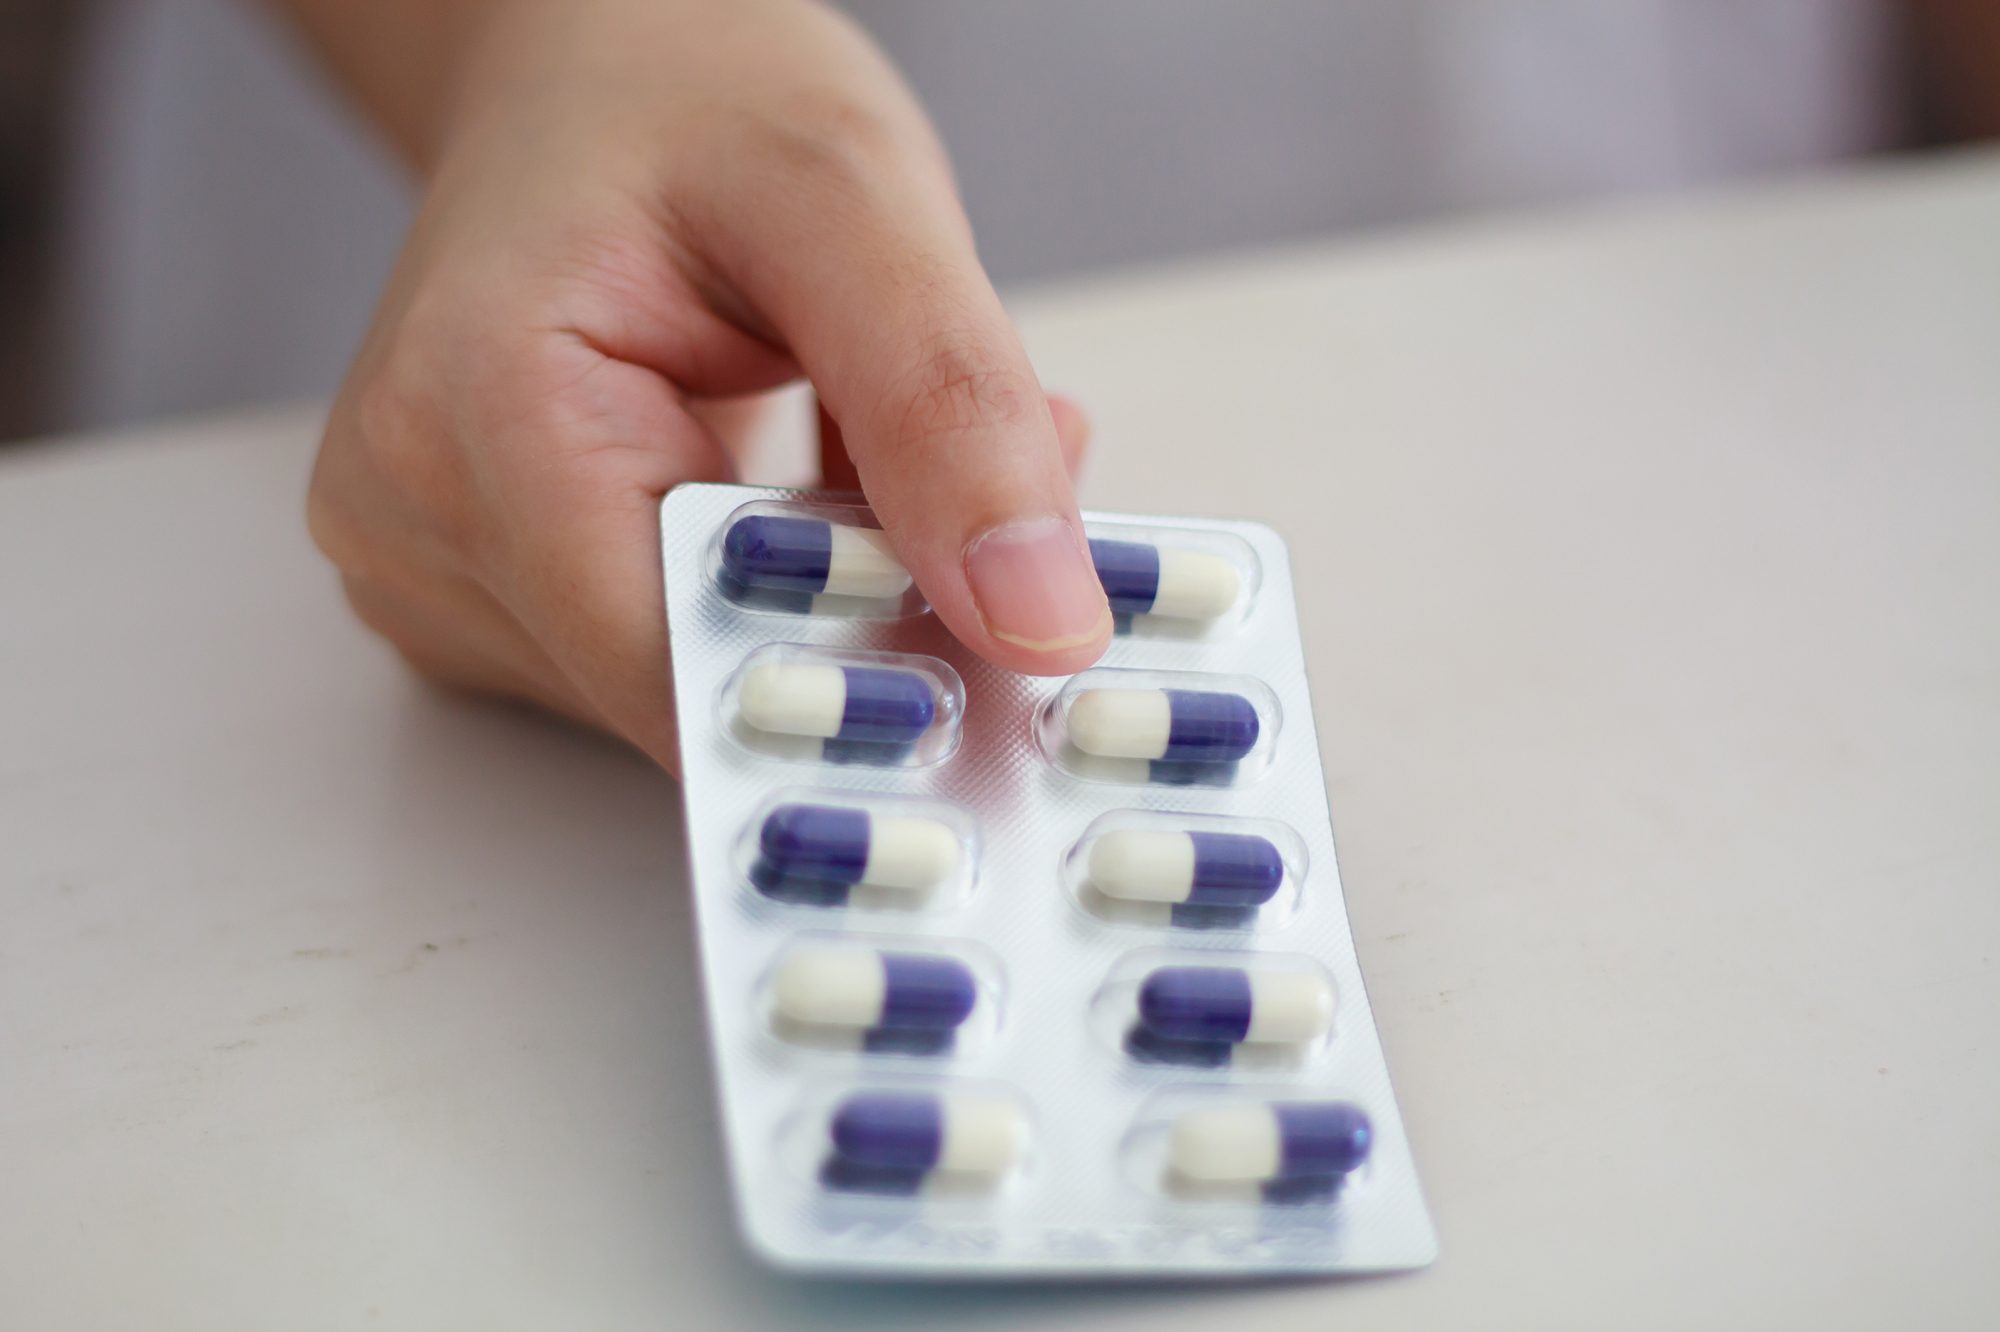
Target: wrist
402 62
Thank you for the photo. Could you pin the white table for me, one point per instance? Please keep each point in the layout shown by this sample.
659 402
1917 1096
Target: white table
1657 653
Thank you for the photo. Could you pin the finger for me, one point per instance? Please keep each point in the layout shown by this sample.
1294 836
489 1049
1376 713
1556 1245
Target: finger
465 640
580 560
836 469
739 424
868 273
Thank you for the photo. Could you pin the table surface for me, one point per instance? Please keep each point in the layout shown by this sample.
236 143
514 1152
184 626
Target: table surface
1652 570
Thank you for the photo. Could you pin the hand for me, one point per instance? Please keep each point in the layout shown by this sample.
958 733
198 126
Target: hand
639 210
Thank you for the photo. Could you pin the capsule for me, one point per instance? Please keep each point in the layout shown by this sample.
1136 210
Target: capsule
812 555
1229 1005
968 1135
1145 1046
1192 868
865 704
1140 578
837 847
1265 1143
1169 725
865 990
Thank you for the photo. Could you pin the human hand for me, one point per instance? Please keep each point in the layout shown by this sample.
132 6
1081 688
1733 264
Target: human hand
639 211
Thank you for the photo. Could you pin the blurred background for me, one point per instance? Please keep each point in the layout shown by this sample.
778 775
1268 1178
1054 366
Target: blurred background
189 218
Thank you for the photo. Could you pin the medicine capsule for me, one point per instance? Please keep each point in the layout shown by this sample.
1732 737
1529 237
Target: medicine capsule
812 555
1140 578
868 990
1174 725
920 1131
1231 1005
843 847
1198 868
1262 1143
874 705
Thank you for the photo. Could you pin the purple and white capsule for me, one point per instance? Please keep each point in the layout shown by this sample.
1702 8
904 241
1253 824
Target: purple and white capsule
975 1137
864 704
1167 725
1140 578
811 555
862 989
1268 1142
1193 868
1234 1006
844 847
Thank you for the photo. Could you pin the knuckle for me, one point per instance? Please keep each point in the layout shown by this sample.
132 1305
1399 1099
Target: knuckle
385 615
374 606
403 444
382 415
960 386
331 525
335 519
434 666
392 432
830 141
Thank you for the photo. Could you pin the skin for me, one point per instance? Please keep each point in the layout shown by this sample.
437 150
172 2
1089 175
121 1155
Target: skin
638 213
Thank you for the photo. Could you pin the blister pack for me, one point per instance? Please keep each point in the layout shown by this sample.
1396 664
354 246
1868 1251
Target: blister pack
1020 976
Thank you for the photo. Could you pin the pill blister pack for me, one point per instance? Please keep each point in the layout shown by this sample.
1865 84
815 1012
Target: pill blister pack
1022 976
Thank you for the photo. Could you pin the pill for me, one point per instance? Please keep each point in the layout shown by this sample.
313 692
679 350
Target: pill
812 555
1257 1142
873 705
1175 725
1230 1004
1149 1047
1200 868
1140 578
919 1131
866 990
844 847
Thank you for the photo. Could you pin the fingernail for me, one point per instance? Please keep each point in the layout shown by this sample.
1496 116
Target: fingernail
1035 587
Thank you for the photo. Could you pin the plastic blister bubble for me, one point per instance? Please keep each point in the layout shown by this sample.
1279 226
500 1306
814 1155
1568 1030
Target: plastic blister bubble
838 706
1174 582
1161 728
883 996
857 852
819 558
1292 1159
1196 1012
1175 869
886 1140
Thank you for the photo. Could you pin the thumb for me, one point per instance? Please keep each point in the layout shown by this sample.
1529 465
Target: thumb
836 468
881 298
